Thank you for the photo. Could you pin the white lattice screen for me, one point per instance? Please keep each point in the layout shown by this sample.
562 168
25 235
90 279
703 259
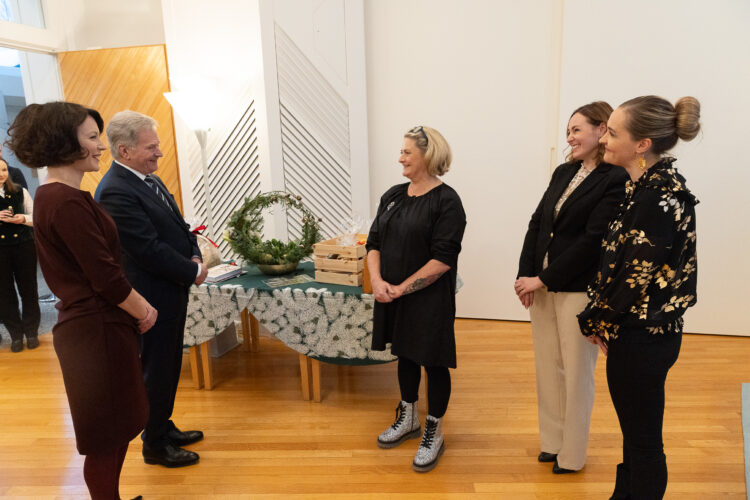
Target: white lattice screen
314 137
233 174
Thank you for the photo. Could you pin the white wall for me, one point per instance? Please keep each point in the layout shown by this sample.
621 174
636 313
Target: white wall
674 48
238 43
96 24
484 73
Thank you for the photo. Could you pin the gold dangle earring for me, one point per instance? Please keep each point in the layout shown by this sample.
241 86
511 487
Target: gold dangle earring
642 163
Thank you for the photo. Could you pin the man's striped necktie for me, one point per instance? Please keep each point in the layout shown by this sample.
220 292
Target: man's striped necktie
151 182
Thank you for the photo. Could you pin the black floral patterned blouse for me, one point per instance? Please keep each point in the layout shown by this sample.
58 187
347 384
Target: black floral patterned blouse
648 270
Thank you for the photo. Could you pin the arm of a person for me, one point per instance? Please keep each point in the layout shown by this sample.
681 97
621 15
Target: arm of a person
140 239
424 277
379 286
445 246
28 208
75 225
646 245
586 249
136 306
528 251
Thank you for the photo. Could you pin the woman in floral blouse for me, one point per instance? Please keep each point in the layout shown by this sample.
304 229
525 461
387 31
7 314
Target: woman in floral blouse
647 279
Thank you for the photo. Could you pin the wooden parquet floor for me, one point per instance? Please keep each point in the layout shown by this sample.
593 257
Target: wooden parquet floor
264 441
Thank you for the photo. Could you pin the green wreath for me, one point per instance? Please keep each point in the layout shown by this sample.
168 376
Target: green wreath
246 226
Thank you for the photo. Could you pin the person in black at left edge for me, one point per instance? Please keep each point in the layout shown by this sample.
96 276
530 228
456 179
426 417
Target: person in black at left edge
17 263
647 279
413 249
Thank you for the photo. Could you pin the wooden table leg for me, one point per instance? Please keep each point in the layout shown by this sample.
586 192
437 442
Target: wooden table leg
316 379
254 332
208 369
195 367
245 332
304 376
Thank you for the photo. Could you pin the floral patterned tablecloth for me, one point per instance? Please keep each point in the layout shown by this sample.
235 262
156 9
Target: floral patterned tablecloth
331 323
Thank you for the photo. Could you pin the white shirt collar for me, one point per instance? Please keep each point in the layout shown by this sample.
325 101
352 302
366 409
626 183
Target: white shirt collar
137 173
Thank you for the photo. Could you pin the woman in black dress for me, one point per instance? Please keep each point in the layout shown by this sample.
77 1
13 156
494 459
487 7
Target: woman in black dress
559 259
646 282
96 337
413 249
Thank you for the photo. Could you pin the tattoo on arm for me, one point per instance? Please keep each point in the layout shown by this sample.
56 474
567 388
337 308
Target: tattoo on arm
421 283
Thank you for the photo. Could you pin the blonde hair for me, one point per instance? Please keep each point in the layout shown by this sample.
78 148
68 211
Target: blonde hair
124 129
653 117
434 147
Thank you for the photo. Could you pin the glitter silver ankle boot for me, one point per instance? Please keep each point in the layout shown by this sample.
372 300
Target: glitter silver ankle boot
431 447
405 427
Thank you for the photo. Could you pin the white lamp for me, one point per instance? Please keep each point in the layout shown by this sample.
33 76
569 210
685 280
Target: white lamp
197 103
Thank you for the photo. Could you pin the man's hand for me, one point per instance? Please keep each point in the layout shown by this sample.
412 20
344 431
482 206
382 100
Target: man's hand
202 275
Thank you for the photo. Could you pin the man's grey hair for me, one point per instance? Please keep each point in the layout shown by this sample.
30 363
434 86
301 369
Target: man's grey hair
124 129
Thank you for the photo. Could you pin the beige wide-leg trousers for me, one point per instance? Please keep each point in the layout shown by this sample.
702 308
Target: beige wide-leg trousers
565 363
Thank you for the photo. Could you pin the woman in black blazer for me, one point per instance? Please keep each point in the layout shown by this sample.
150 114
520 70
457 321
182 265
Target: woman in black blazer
559 259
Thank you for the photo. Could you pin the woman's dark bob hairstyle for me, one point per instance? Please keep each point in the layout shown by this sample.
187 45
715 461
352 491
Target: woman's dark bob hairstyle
44 135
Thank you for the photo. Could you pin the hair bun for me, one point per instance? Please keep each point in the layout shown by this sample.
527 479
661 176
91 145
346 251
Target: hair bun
687 119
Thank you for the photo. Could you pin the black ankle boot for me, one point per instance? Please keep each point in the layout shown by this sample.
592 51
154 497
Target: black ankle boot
622 484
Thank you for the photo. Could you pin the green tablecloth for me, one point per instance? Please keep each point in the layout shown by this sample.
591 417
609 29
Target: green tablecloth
332 323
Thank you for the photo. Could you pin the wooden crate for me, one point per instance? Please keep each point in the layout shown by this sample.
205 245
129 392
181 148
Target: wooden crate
338 278
338 264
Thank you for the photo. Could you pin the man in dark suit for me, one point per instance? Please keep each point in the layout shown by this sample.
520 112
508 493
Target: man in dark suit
161 260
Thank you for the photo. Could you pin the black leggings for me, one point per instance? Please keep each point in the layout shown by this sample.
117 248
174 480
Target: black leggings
102 473
637 367
438 387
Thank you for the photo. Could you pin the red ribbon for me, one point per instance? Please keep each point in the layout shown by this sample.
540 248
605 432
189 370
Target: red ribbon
198 230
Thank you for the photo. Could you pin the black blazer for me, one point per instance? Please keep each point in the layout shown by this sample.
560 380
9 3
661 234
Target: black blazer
157 243
574 239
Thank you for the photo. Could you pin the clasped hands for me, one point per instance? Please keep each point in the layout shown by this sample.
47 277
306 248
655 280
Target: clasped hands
7 216
384 292
525 288
146 322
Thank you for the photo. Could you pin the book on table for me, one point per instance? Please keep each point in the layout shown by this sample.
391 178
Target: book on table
223 272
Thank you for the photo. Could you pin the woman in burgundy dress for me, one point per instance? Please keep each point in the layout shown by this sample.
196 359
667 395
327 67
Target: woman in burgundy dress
96 337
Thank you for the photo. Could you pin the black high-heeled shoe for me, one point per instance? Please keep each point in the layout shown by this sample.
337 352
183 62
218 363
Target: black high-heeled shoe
556 469
546 457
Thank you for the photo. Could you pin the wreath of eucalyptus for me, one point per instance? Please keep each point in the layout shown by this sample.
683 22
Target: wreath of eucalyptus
246 224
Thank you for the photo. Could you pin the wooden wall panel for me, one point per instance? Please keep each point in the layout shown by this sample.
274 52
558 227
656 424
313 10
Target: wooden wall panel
112 80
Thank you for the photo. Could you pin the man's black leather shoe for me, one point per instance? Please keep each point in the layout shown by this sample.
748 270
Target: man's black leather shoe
169 456
547 457
179 438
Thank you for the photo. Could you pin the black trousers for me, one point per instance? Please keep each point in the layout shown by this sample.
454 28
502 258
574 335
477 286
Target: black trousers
637 366
161 356
438 386
18 269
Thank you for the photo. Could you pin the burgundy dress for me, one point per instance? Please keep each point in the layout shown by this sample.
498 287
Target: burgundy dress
96 342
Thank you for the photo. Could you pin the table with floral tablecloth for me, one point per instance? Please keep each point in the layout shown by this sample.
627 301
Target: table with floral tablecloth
331 323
